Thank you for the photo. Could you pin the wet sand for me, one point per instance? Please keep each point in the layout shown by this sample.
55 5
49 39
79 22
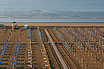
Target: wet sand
53 24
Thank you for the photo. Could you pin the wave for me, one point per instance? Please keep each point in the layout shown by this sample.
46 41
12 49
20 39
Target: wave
46 11
51 13
26 17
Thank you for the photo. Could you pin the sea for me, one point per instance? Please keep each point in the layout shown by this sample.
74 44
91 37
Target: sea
52 10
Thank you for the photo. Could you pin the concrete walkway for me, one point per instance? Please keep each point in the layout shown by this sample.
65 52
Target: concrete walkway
56 50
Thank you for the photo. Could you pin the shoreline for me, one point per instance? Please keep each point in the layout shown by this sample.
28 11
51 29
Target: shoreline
28 17
55 23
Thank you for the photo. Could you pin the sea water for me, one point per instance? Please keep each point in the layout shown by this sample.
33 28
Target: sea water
10 9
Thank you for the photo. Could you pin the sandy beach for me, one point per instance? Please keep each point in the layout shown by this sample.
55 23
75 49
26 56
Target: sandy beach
52 24
51 45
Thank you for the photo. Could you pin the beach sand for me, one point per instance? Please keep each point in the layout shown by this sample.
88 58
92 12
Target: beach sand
52 24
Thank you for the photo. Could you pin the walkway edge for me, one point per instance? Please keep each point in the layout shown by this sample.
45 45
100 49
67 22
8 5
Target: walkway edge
56 50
